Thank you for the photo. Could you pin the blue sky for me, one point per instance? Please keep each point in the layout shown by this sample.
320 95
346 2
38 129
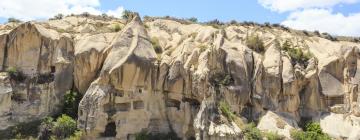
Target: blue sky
339 17
204 10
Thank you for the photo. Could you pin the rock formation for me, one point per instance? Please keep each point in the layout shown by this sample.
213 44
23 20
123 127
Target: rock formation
191 80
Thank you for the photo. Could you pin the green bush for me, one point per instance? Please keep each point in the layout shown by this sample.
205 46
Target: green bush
76 136
59 16
251 132
71 103
13 20
312 132
221 79
296 54
45 128
64 127
255 43
156 45
298 135
116 28
226 111
272 136
11 70
313 127
215 23
85 14
193 19
128 15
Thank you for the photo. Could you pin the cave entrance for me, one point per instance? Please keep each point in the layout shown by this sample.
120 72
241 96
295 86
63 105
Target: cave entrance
110 130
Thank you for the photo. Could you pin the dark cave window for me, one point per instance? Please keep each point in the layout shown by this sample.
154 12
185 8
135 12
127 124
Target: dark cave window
119 94
52 68
122 106
138 104
140 90
110 130
173 103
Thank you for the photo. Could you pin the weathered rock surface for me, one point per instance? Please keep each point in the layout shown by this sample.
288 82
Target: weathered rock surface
43 61
163 76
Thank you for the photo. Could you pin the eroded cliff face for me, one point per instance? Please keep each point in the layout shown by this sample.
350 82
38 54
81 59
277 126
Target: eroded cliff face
45 61
163 76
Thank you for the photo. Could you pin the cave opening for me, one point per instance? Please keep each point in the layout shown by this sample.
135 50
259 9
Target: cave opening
110 130
52 69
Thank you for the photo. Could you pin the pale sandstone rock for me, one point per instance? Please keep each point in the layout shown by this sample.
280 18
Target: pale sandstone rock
341 126
46 61
272 122
127 85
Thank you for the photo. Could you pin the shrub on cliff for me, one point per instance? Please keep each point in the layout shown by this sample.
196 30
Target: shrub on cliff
221 79
128 15
296 54
156 45
193 19
251 132
255 43
215 23
226 111
59 16
272 136
14 20
116 28
312 132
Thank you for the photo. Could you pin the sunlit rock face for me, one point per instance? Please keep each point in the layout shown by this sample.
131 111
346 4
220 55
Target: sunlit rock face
43 61
162 76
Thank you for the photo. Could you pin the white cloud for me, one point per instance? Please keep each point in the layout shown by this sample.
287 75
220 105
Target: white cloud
117 12
325 20
292 5
317 15
42 9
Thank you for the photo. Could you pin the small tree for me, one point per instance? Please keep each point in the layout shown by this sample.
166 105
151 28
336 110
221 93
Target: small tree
128 15
59 16
64 127
156 45
116 28
45 129
255 43
193 19
14 20
85 14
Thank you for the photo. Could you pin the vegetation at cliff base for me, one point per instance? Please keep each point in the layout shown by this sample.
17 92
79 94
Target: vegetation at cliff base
251 132
63 127
312 131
